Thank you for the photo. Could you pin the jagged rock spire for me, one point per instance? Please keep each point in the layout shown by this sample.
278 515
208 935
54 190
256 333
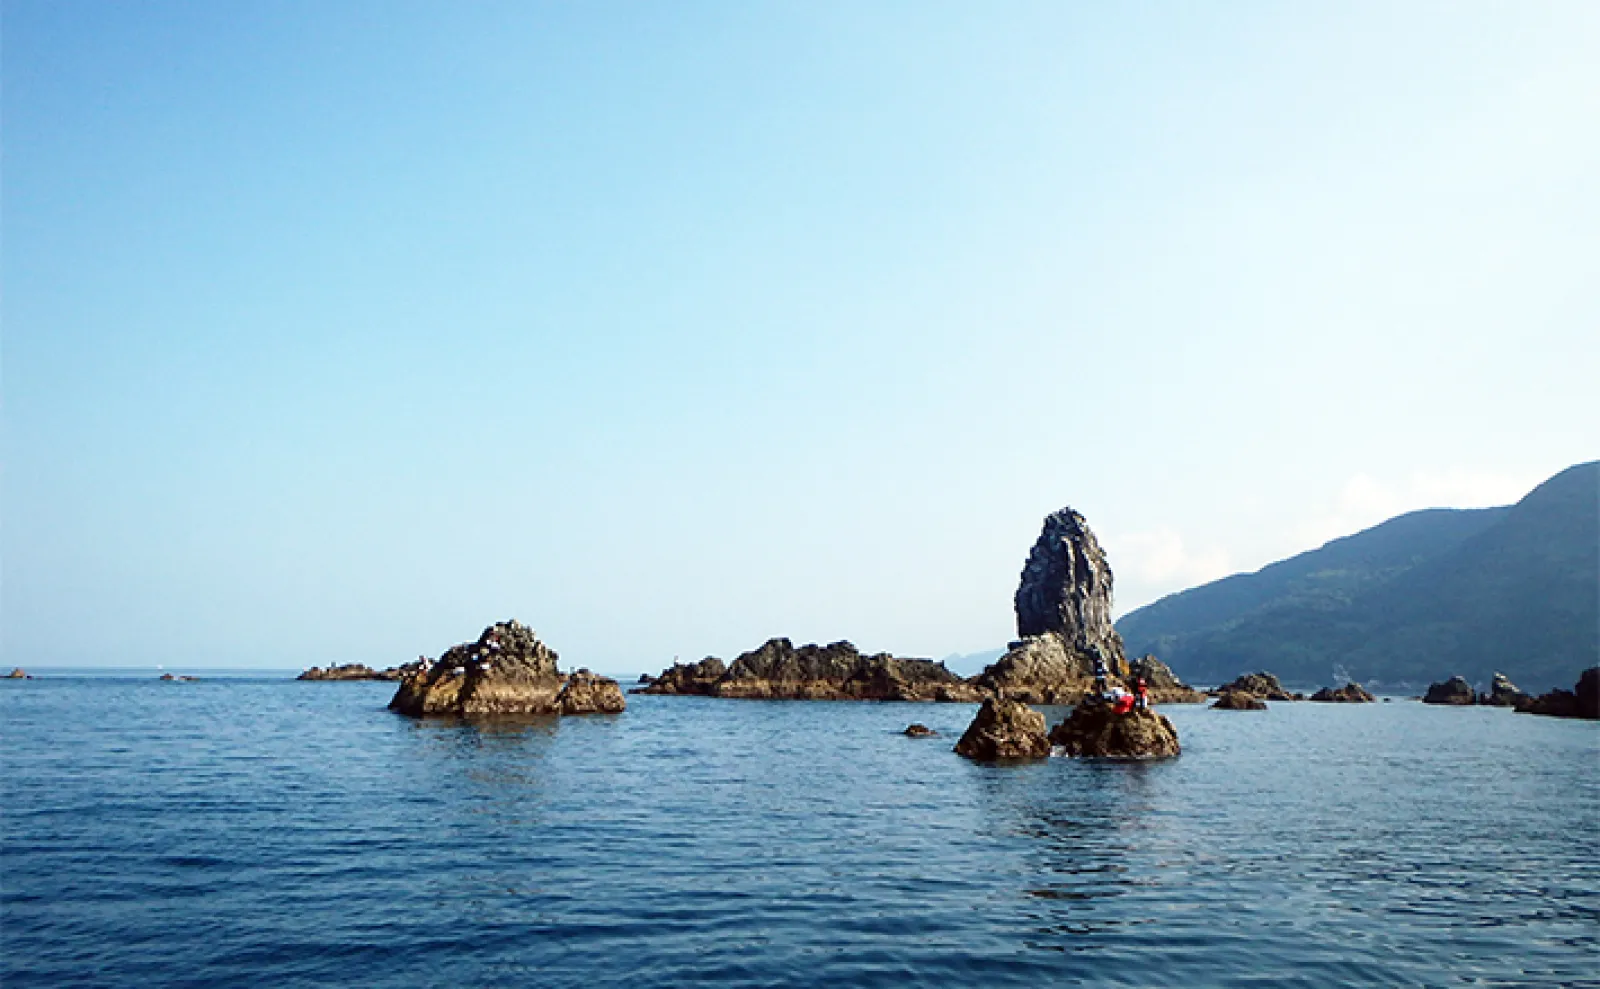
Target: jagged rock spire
1066 588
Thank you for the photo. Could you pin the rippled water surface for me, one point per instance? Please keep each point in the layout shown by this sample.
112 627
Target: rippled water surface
268 832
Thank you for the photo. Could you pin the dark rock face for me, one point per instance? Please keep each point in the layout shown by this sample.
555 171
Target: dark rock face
1063 604
1263 685
919 730
506 671
1350 693
1581 702
355 671
1004 729
1066 587
781 671
1238 700
1093 730
178 677
1455 690
1503 693
1163 684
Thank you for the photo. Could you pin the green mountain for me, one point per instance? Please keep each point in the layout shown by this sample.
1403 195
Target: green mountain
1419 598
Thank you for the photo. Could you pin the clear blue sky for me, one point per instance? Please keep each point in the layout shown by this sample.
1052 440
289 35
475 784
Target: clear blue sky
334 331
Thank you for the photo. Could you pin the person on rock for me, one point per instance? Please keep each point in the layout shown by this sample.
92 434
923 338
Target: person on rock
1141 691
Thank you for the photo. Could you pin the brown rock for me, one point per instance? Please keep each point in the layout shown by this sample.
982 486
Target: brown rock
1350 693
1004 729
1163 684
919 730
351 671
1041 669
506 671
1238 700
1094 730
1262 685
778 670
1581 702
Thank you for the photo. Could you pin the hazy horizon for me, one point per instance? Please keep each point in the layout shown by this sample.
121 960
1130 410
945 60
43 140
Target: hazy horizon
336 332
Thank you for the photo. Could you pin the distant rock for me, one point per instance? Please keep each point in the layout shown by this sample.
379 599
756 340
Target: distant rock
1350 693
1583 701
1004 729
1503 693
507 671
1163 684
355 671
779 670
1263 685
918 730
178 677
1063 605
1455 690
685 678
1094 730
1238 700
17 674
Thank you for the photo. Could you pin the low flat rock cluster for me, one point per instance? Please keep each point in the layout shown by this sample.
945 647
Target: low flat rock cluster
506 671
356 671
779 670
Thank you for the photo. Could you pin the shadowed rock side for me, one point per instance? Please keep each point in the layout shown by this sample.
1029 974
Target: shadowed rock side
358 671
1004 729
1581 702
1350 693
1503 693
1455 690
1238 700
506 671
780 671
1262 685
1163 684
1093 730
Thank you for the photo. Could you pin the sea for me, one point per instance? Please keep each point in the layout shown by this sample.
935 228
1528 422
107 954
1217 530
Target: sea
259 831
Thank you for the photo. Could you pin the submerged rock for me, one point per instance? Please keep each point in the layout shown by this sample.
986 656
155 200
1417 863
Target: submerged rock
1094 730
1455 690
506 671
1583 701
779 670
1503 693
1263 685
919 730
1350 693
1238 700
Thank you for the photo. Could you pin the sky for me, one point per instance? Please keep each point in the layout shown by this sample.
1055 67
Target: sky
335 331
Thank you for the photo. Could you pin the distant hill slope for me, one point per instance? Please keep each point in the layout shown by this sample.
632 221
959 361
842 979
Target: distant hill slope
1419 598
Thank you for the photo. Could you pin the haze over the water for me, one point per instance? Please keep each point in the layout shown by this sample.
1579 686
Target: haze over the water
335 331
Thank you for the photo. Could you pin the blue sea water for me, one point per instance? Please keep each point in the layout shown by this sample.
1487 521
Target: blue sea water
265 832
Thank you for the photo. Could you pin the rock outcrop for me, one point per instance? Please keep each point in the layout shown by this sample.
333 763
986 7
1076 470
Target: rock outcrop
1263 685
1583 701
1350 693
1063 605
1238 700
358 671
781 671
1093 730
685 678
1503 693
1004 729
1455 690
507 671
919 730
1163 684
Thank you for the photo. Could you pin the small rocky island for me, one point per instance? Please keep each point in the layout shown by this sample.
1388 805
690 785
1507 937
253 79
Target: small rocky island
779 670
1350 693
1456 691
359 671
1582 701
1069 653
506 671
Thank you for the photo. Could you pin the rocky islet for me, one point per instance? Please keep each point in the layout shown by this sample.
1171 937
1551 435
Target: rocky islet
505 671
